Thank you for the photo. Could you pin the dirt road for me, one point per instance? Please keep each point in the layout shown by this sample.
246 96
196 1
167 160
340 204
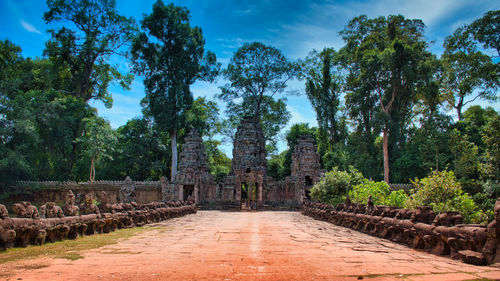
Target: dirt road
214 245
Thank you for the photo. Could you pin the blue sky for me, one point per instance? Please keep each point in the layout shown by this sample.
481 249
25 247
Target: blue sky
293 26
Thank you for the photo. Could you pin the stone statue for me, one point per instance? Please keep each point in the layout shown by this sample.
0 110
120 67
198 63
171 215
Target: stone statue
88 207
127 191
491 249
25 210
51 210
70 209
3 212
165 191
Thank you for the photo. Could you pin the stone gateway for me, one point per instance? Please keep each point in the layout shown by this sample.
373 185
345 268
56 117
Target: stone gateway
247 185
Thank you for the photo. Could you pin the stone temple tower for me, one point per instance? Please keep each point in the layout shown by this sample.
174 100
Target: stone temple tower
306 170
193 178
249 164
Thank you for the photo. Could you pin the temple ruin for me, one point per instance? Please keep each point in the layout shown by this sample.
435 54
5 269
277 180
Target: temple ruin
247 184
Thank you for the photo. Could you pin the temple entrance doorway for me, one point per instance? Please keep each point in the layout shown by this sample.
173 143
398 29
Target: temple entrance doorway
249 196
188 190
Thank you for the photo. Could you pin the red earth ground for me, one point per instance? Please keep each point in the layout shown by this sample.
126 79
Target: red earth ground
212 245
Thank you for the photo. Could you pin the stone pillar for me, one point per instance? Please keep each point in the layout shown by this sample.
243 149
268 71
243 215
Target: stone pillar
181 192
195 194
260 186
238 190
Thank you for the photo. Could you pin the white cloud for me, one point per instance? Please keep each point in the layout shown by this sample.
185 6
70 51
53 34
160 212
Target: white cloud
29 27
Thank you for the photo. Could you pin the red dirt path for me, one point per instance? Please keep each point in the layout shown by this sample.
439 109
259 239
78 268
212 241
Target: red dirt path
214 245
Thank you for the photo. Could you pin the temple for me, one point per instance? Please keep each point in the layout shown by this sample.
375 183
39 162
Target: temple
247 185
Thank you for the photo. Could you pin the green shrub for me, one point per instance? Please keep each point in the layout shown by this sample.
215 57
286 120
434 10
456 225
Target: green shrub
396 198
441 191
334 185
380 192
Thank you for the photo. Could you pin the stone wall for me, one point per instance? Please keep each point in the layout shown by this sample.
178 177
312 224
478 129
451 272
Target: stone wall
52 191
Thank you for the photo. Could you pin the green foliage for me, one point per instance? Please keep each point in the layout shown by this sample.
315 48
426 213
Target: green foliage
386 58
141 153
273 117
396 198
334 186
204 117
170 62
468 73
441 191
485 30
276 166
292 136
218 162
491 168
256 73
98 141
324 85
82 54
380 192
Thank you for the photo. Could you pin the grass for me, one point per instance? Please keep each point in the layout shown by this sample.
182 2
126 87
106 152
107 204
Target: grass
70 249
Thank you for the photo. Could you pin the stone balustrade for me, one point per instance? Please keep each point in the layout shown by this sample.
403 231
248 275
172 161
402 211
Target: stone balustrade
443 234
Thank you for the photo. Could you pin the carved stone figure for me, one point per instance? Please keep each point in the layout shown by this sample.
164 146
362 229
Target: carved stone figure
70 209
51 210
3 212
127 191
88 207
25 210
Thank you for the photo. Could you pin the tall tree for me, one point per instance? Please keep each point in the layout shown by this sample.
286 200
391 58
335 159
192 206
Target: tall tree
98 141
170 63
385 55
468 74
80 50
82 53
256 74
324 84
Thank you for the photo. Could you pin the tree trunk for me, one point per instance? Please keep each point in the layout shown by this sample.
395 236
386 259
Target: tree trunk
459 107
92 169
386 155
173 142
459 113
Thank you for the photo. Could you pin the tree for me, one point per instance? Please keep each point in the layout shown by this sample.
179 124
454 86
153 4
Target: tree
82 53
385 56
141 152
324 84
467 72
170 63
204 117
257 73
485 30
273 118
98 141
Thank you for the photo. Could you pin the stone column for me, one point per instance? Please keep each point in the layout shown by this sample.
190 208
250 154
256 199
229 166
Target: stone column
195 194
181 192
259 190
238 190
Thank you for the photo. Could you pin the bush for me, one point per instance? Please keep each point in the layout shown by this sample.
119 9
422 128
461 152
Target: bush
333 187
380 192
441 191
396 198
